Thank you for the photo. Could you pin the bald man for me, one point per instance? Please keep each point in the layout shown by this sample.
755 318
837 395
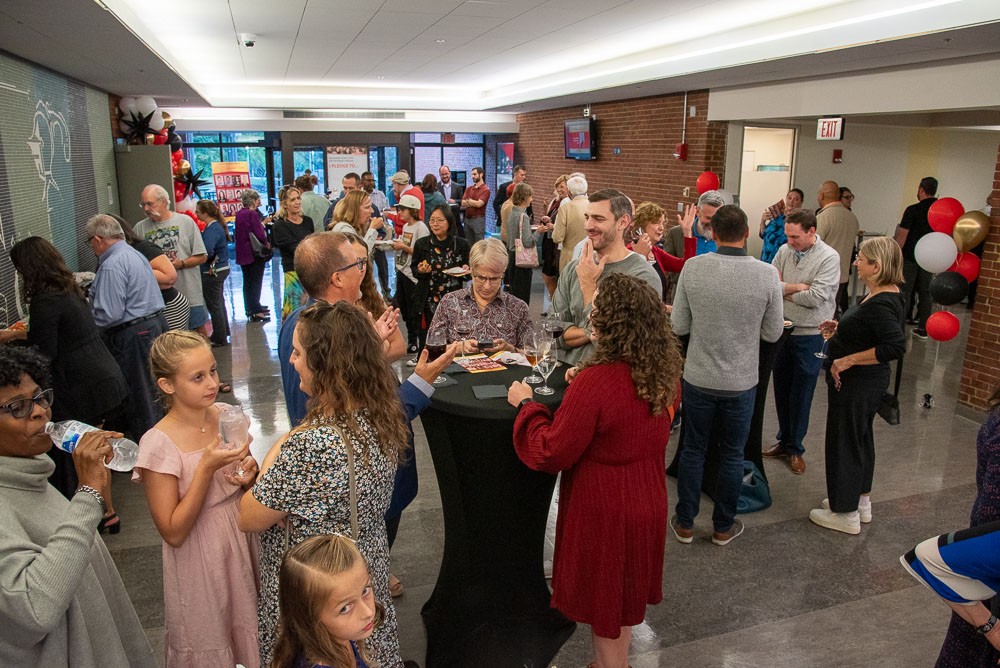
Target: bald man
837 227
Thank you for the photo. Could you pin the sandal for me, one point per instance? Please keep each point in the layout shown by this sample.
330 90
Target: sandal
225 388
395 586
111 523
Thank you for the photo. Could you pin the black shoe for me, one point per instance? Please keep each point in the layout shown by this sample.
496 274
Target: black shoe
920 334
112 524
912 321
260 317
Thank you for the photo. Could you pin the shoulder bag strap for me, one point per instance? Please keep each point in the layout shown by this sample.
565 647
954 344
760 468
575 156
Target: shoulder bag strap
352 483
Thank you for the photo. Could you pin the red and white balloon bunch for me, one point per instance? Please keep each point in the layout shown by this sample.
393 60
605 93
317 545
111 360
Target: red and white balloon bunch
947 252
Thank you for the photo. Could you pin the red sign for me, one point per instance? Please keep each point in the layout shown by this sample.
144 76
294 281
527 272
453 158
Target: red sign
830 129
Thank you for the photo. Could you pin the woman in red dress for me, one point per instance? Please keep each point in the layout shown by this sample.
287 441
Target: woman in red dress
609 439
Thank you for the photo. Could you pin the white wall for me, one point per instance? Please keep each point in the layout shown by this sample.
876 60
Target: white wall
759 190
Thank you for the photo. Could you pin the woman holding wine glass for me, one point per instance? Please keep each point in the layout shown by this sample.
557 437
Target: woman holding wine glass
608 438
484 314
861 345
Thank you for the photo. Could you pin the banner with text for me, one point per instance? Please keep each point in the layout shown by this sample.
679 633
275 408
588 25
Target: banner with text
341 161
231 179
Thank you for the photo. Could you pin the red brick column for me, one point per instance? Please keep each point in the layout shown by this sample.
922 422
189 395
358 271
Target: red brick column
981 372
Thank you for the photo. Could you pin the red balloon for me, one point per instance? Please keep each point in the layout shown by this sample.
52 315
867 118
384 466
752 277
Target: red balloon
179 189
176 155
710 181
942 326
160 138
967 264
944 213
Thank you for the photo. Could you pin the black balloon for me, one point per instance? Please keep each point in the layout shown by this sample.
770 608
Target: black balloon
949 288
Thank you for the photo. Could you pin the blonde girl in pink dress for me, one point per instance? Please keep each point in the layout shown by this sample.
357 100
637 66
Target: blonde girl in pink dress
210 571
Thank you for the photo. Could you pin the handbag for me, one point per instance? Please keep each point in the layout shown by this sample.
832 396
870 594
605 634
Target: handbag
888 406
755 494
525 258
261 251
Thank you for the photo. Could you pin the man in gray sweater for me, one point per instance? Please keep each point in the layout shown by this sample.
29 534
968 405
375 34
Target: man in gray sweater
810 271
727 302
609 214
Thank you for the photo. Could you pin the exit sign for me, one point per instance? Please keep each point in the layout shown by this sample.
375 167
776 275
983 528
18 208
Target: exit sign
830 129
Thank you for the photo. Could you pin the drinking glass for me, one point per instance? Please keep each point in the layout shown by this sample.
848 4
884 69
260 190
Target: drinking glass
546 365
827 335
436 345
234 431
554 324
532 350
463 327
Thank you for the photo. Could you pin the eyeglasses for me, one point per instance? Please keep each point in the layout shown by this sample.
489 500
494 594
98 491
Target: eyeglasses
360 264
487 279
846 196
143 205
21 408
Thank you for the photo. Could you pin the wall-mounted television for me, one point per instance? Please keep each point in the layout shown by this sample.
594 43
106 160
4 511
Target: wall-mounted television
581 142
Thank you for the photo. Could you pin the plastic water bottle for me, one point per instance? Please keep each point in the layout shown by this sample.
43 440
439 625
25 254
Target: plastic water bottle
67 434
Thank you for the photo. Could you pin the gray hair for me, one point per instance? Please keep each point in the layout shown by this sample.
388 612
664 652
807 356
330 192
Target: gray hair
159 192
248 197
711 198
576 184
103 225
489 252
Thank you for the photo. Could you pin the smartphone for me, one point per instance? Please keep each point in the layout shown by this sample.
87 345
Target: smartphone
484 344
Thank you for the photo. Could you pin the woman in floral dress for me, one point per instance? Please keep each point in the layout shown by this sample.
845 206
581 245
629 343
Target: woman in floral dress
304 486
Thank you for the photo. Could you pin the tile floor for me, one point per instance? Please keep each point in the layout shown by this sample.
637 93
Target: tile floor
786 593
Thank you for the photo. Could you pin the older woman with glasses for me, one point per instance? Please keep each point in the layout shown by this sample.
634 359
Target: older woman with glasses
493 314
248 222
62 601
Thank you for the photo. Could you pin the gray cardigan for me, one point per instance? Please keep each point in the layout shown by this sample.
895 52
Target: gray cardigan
62 601
820 268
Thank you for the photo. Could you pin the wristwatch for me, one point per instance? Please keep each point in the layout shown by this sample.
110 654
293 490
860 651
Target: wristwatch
988 626
526 400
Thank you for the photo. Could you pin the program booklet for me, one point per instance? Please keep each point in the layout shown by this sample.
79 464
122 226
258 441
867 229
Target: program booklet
479 363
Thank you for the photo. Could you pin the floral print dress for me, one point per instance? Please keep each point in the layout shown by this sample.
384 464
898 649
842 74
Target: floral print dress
310 481
452 251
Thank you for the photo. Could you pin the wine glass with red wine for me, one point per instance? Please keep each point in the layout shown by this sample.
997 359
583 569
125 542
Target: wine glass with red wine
436 345
554 324
463 327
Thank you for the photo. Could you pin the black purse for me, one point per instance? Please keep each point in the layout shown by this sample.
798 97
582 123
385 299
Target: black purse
888 407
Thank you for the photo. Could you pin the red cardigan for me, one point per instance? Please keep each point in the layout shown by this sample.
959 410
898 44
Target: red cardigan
668 263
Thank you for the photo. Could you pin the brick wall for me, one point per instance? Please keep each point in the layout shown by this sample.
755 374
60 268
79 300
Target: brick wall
645 130
981 373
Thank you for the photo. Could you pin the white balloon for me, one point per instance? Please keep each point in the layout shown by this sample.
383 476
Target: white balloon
123 127
935 252
727 196
128 106
185 205
156 122
147 105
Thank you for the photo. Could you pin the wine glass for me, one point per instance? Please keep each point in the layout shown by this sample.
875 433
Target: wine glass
546 365
463 327
827 334
436 345
532 350
554 324
234 431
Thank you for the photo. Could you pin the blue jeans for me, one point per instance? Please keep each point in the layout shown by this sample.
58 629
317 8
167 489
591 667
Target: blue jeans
796 369
702 411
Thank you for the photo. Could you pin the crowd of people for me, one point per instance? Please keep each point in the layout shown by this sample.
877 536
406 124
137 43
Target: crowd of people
286 561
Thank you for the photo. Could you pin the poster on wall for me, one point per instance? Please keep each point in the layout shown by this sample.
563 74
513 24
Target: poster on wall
341 161
505 162
231 179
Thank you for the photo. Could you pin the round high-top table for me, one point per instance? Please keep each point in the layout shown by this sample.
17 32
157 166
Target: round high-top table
490 605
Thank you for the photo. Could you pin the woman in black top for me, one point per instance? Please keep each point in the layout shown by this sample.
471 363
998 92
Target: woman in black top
861 345
441 249
290 227
87 383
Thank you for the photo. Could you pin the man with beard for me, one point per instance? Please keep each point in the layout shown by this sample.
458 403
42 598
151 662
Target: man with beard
609 215
474 201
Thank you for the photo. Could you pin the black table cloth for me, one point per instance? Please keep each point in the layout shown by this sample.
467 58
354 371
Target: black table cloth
490 605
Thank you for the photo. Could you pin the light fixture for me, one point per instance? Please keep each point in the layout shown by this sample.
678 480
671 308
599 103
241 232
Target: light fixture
440 41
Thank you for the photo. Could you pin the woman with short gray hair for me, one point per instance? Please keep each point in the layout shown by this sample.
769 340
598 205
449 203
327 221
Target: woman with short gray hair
248 222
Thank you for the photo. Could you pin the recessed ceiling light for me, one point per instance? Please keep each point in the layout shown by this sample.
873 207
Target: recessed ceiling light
380 78
440 41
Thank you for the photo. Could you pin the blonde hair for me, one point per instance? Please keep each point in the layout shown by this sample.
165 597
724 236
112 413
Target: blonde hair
489 252
166 354
348 208
522 191
885 252
305 581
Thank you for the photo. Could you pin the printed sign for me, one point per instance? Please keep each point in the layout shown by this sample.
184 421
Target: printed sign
231 179
830 129
341 161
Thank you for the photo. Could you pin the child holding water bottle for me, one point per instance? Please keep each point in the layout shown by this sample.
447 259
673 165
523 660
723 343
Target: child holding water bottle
193 484
328 607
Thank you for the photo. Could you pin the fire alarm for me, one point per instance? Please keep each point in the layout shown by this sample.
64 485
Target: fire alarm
681 151
838 156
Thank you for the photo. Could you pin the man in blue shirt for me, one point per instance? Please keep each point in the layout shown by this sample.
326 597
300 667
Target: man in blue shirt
127 306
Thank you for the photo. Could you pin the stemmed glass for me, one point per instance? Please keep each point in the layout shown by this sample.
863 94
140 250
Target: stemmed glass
234 431
463 327
546 365
827 333
436 345
533 350
554 324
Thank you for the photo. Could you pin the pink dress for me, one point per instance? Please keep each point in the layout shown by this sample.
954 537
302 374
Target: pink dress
209 582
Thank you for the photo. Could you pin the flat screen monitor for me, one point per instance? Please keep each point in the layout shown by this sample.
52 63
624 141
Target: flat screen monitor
581 144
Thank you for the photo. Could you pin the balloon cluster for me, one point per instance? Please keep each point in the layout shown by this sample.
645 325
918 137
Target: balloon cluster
947 252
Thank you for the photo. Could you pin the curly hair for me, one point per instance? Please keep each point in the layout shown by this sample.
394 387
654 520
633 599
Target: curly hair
371 300
632 327
305 583
42 269
349 208
17 361
350 372
646 213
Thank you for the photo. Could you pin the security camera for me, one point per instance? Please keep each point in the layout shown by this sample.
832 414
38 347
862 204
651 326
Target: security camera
248 40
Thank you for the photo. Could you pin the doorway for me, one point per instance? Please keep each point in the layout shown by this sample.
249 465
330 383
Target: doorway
766 174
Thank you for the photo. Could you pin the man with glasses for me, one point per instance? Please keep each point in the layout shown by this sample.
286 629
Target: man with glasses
179 238
128 307
609 215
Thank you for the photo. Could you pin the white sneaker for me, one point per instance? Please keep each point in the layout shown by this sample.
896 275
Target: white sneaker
846 522
411 362
865 512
